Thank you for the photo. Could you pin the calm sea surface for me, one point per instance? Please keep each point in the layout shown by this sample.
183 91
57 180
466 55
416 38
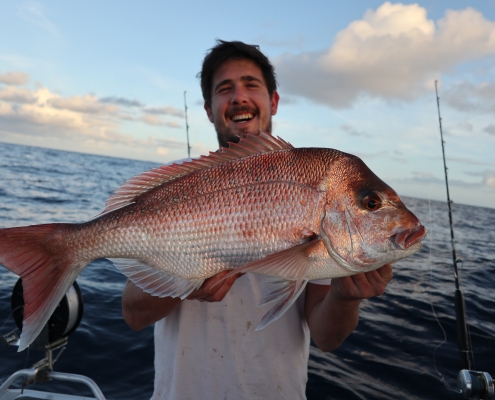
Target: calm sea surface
404 347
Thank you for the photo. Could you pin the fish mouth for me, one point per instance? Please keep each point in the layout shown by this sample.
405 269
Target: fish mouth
409 237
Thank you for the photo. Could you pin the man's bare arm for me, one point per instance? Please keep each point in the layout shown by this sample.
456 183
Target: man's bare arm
141 309
332 311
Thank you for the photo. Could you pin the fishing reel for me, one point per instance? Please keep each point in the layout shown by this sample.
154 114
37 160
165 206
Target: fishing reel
476 385
54 336
64 320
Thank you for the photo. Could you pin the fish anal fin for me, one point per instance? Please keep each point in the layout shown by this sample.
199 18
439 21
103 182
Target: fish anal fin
153 281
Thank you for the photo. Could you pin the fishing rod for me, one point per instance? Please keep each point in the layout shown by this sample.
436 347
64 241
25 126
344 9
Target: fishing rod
472 384
187 127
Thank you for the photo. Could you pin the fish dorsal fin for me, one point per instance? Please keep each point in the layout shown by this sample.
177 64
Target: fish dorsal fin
142 183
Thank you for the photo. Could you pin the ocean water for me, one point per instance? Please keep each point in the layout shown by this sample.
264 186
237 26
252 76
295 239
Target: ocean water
404 346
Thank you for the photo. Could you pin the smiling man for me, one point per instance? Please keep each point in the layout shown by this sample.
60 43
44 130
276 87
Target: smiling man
206 346
240 100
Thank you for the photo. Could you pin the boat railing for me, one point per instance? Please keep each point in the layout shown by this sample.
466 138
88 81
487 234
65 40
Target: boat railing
42 371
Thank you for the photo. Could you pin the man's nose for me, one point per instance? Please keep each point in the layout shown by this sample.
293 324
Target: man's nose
239 95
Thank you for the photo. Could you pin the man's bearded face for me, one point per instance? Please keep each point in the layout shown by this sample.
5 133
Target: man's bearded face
240 102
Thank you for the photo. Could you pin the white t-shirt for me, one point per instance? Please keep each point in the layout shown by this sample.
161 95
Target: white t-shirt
211 350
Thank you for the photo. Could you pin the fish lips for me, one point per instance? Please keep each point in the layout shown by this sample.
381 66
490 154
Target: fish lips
408 238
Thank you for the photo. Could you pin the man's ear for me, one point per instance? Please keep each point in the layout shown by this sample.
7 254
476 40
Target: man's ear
274 102
208 112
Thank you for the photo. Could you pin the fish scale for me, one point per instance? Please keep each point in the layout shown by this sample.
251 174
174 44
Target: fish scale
226 230
202 217
259 206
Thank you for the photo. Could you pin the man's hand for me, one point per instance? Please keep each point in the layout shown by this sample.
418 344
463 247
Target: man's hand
362 286
211 291
332 311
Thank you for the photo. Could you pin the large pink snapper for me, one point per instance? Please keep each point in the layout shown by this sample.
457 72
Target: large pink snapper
259 206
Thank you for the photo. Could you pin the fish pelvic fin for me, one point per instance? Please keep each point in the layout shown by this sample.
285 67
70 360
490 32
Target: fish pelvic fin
36 254
280 290
143 183
286 280
153 281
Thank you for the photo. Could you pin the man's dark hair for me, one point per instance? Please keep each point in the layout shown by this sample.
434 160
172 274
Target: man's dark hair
234 50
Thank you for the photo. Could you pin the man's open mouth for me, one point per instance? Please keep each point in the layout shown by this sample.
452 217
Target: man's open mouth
242 117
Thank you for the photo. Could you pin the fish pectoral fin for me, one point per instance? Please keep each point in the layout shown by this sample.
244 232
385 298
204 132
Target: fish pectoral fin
285 282
284 292
155 282
290 264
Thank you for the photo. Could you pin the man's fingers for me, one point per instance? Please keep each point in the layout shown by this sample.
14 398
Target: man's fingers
208 286
386 272
369 284
219 291
214 288
378 280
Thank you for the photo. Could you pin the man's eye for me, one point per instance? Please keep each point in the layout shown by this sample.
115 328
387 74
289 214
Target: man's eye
372 202
223 89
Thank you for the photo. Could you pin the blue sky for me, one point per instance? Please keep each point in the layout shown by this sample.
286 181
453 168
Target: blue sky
109 78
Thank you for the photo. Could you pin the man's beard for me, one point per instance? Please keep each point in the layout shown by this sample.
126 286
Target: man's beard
226 136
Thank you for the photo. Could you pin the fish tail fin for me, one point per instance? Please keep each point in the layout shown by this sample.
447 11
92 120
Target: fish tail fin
40 257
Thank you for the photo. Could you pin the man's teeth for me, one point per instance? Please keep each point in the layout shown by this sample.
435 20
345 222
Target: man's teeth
242 117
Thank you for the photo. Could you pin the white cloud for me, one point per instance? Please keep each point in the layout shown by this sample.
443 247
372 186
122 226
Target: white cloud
422 174
200 148
168 110
42 113
465 126
284 100
84 104
162 151
490 129
155 120
41 116
352 131
469 97
14 78
489 178
472 161
152 120
394 52
17 95
121 101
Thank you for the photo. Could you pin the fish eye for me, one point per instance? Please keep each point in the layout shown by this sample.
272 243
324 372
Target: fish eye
372 202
